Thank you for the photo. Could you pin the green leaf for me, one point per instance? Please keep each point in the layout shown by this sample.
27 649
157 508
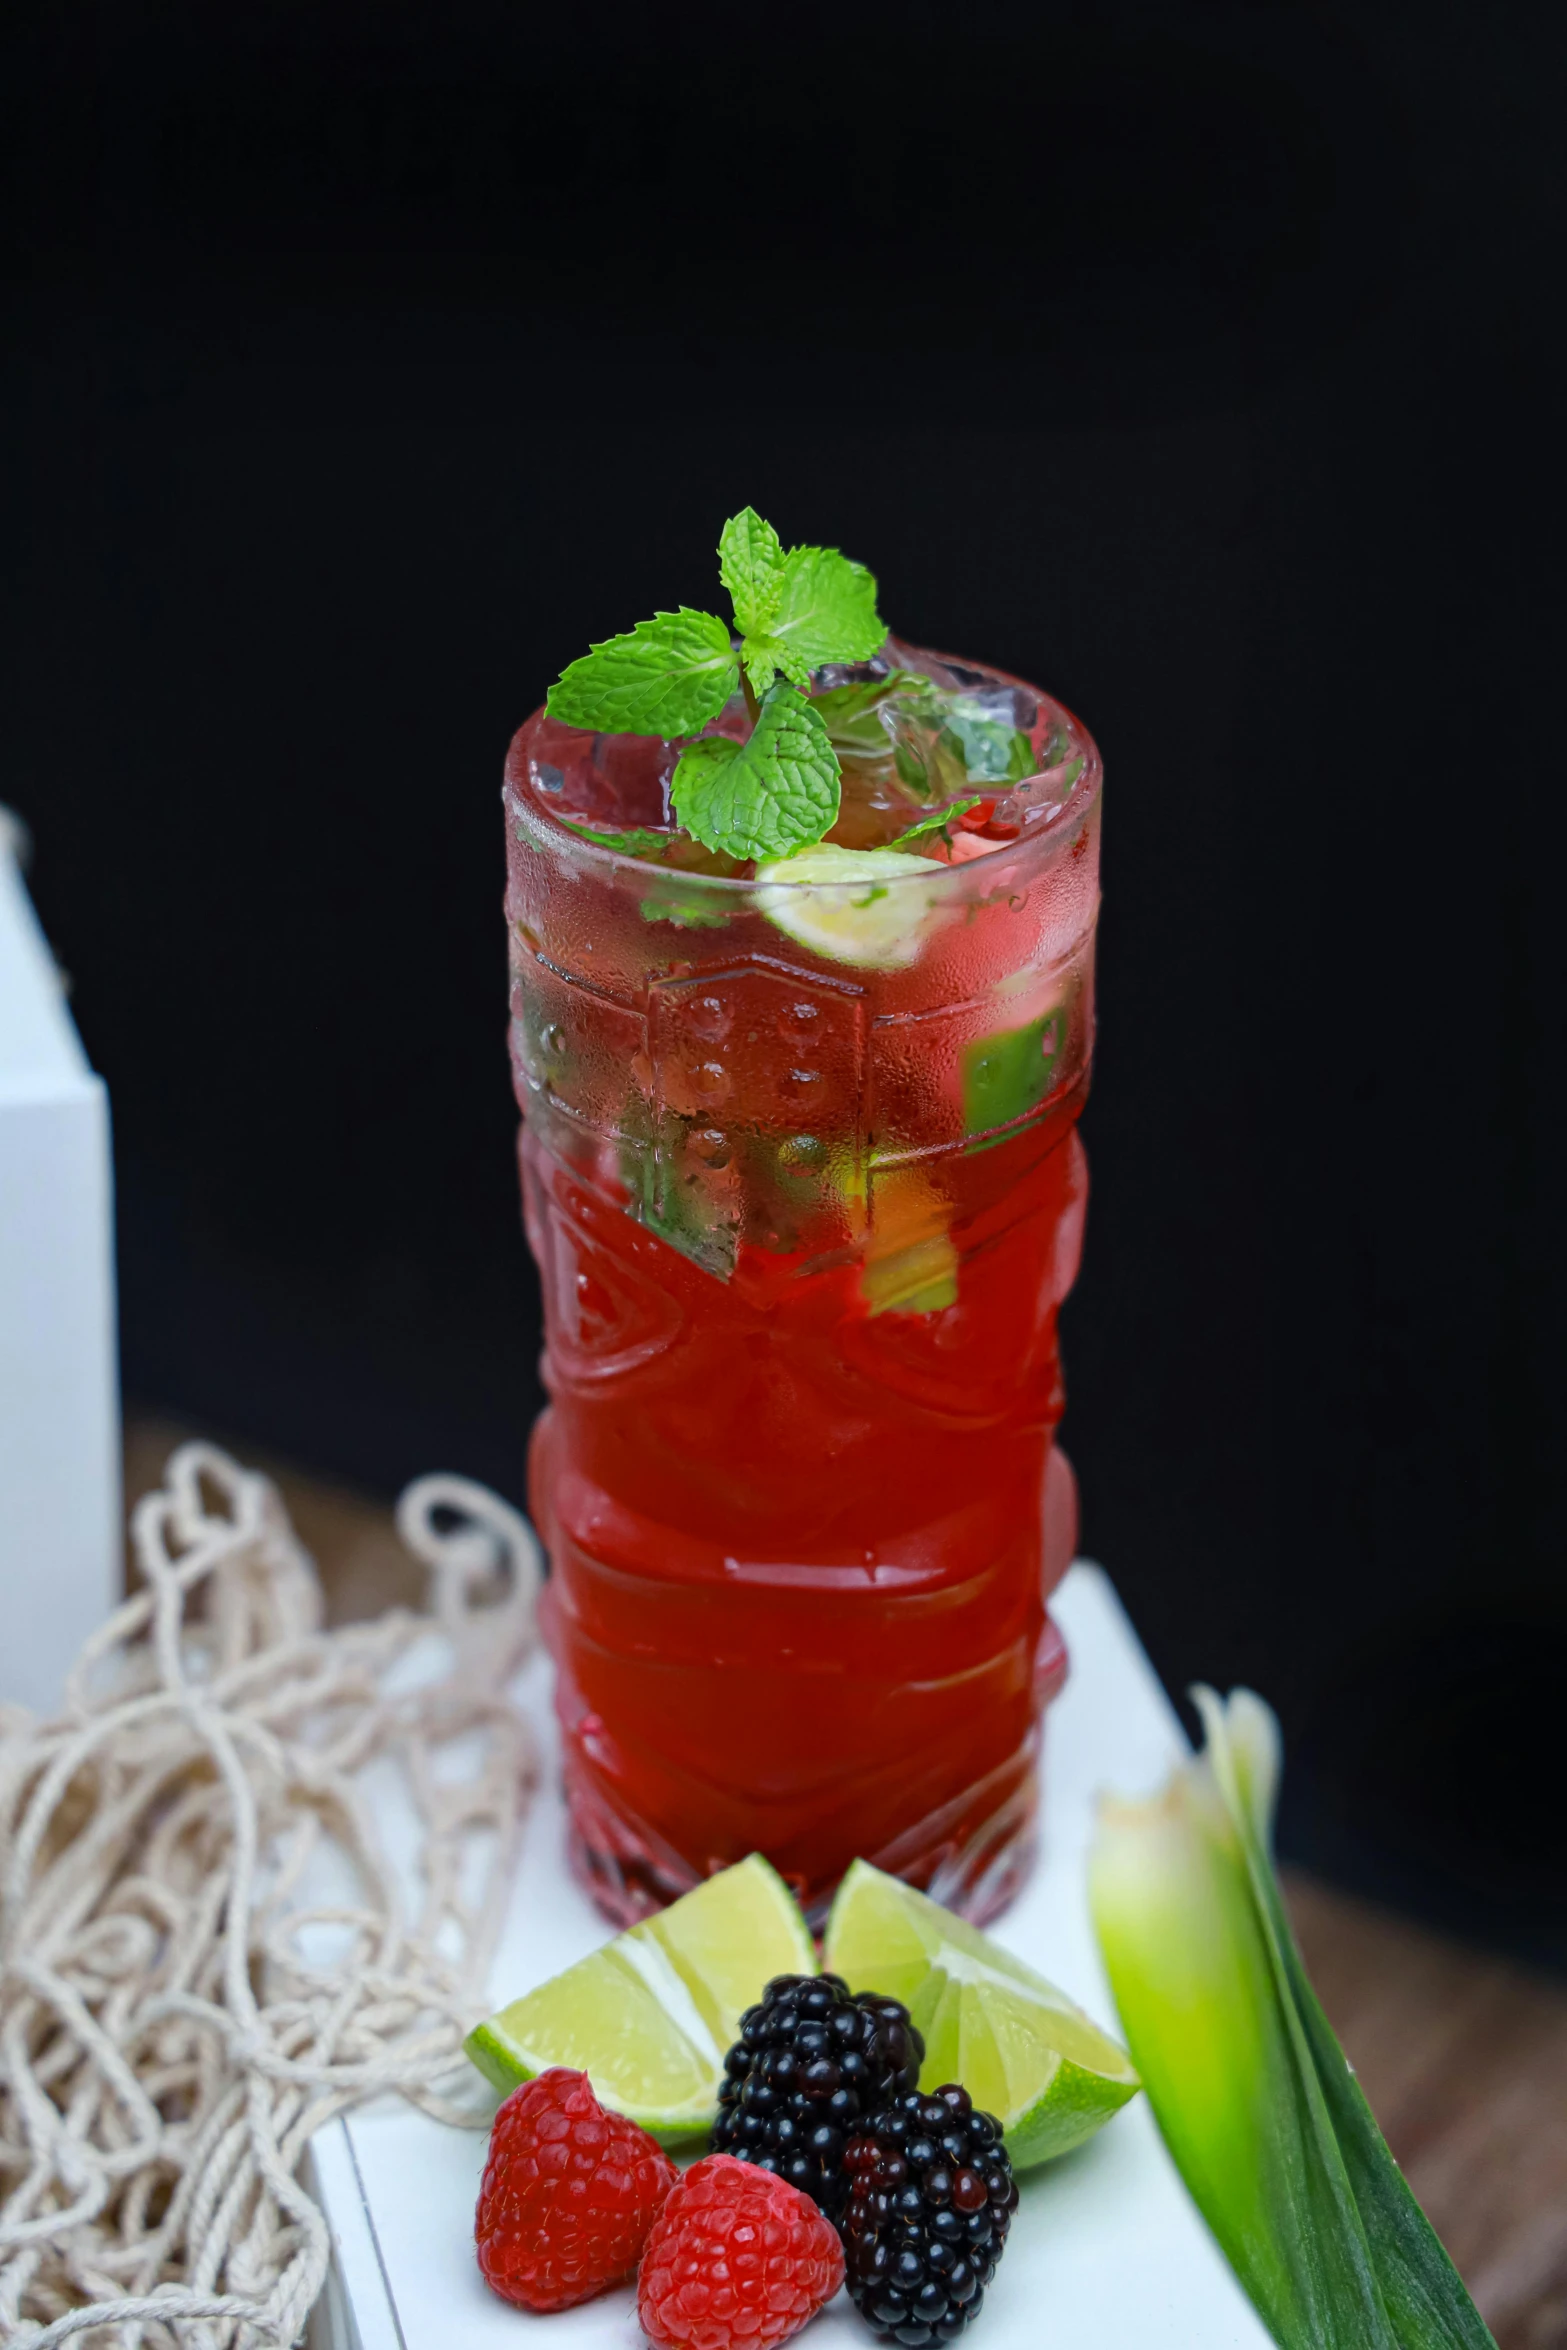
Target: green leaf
913 769
985 749
826 611
750 564
640 841
764 797
668 676
760 656
852 713
1250 2089
941 820
684 913
1008 1074
1421 2290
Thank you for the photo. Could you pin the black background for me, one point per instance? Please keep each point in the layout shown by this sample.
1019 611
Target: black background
1200 363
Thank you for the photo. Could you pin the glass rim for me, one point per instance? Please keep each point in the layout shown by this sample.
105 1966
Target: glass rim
1047 834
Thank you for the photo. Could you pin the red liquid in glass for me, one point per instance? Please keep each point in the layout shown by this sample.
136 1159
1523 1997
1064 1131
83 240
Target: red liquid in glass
803 1518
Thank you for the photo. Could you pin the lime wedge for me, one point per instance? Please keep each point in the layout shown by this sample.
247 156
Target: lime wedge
1021 2048
649 2017
871 907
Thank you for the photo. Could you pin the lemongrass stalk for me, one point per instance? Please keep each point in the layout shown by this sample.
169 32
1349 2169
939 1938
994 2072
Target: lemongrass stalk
1251 2090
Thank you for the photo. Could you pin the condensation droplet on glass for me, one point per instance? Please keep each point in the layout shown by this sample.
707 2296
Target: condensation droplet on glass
709 1016
711 1146
798 1018
806 1152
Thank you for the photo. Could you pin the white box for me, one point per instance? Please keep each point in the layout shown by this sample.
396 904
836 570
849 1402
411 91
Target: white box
59 1419
1107 2252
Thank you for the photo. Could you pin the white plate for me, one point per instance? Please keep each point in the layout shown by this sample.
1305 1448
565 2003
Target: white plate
1106 2252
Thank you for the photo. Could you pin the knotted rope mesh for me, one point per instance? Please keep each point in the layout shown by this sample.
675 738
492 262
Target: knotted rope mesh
205 1950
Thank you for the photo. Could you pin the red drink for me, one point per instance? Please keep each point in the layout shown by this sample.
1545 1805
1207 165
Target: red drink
804 1186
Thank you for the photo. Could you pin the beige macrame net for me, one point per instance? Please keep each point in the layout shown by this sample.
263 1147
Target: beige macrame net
205 1952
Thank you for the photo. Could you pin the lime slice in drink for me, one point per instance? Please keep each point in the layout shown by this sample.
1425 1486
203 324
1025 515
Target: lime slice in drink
1021 2048
871 907
649 2017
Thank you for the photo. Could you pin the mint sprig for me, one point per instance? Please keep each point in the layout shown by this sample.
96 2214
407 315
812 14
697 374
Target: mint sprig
750 564
821 608
668 675
794 610
767 796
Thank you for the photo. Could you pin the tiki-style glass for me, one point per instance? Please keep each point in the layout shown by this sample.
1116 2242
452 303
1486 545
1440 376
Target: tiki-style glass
802 1178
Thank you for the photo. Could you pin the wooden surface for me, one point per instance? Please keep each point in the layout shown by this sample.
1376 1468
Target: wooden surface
1464 2057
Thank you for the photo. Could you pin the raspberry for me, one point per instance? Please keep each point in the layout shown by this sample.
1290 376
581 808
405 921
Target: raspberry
736 2255
931 2200
810 2067
569 2194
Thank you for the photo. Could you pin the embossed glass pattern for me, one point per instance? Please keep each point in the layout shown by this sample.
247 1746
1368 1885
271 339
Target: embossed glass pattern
803 1226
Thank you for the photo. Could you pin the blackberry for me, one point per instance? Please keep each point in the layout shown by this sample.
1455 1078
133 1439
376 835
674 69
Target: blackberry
931 2196
811 2067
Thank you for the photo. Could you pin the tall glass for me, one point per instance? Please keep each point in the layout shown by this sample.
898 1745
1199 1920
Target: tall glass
803 1224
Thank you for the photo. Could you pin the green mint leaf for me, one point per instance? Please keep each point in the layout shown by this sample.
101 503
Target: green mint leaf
913 769
760 655
684 913
826 611
1006 1076
669 676
764 797
852 713
639 841
750 564
940 821
986 749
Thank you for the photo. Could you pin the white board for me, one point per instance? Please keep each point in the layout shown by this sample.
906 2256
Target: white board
59 1422
1106 2253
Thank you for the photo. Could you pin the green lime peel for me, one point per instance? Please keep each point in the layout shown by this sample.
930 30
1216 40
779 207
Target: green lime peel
1253 2094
